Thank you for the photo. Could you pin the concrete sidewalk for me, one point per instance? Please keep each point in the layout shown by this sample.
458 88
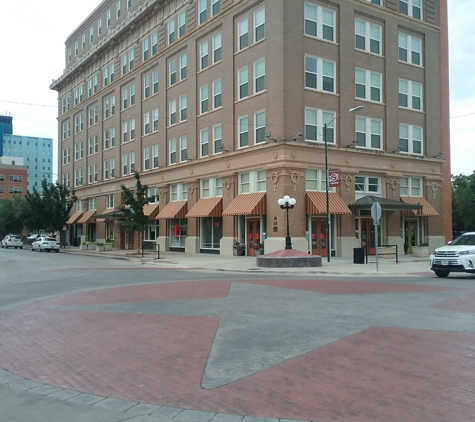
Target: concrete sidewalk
407 266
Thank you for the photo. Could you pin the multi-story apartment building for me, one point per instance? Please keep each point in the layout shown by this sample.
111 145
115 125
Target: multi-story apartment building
13 175
37 153
221 106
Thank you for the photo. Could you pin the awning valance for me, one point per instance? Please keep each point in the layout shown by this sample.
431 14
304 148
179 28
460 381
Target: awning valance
367 201
177 209
427 209
74 218
206 207
151 210
317 203
87 217
247 204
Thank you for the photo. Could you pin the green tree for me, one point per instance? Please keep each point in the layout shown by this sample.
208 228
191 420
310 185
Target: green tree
463 202
34 213
132 208
11 211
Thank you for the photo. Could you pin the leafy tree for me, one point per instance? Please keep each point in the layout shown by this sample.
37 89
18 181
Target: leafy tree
11 210
132 209
34 213
463 202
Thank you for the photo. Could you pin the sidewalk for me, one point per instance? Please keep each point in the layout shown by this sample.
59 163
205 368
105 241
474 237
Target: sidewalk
407 266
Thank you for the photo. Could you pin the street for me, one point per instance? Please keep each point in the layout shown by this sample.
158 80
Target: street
86 338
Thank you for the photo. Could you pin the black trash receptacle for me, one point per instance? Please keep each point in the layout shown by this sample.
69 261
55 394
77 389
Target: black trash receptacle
358 256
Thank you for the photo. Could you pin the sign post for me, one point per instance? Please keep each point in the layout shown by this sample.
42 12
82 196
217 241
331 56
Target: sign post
376 214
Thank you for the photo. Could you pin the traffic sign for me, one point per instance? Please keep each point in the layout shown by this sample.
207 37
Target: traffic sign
376 212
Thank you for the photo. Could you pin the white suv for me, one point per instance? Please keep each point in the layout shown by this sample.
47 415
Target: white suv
457 257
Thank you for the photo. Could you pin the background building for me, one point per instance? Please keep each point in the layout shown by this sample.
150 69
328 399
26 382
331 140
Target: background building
221 105
36 152
13 175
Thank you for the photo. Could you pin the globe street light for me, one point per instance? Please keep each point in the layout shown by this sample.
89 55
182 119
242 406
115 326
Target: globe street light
327 183
287 203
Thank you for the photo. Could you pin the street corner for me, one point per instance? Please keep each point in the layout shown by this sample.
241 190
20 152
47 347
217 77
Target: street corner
291 349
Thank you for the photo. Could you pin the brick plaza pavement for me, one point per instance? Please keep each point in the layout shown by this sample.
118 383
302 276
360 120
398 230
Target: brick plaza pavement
302 350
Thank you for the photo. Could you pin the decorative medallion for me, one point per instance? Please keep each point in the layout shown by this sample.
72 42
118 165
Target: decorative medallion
294 177
293 154
434 187
191 189
163 192
347 160
227 164
393 164
275 155
393 183
191 171
274 177
348 182
228 182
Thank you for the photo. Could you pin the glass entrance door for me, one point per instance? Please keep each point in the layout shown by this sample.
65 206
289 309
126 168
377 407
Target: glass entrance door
410 235
368 236
253 234
319 236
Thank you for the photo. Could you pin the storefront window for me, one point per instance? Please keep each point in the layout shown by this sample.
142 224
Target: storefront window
211 232
178 232
151 230
109 230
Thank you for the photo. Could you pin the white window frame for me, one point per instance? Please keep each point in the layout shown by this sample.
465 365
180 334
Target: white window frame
217 138
146 159
315 14
181 24
204 54
204 99
365 181
217 94
368 35
370 88
259 75
172 158
155 119
132 162
155 156
182 61
256 182
125 166
243 129
316 118
172 73
110 201
171 31
183 108
183 141
412 6
259 20
410 48
242 27
204 142
412 142
145 49
146 123
316 180
202 11
147 92
243 82
216 47
409 94
259 127
215 7
172 117
92 204
112 167
371 128
411 186
106 169
309 69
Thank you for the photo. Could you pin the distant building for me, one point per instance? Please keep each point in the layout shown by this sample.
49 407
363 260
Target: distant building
37 153
12 180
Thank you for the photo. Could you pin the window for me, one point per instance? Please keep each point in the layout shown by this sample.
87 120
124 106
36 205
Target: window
110 202
319 22
410 49
155 156
172 112
125 166
146 159
259 24
92 204
368 132
79 206
129 4
368 85
112 167
78 151
125 132
154 119
154 42
202 11
92 145
181 24
15 178
78 177
410 139
69 54
99 27
132 162
252 182
155 82
83 41
106 169
108 18
411 186
243 28
217 94
315 120
183 66
153 194
78 123
172 151
217 138
204 135
216 47
203 55
90 175
105 76
243 83
411 8
368 36
319 74
112 132
66 155
132 129
76 48
378 2
183 148
410 94
204 99
172 73
117 8
66 129
315 180
146 123
67 179
91 33
215 7
179 192
171 31
146 86
243 131
93 115
131 59
145 52
125 98
183 108
106 139
15 189
367 185
259 76
132 94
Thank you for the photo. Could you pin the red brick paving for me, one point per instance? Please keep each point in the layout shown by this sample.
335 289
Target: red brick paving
380 374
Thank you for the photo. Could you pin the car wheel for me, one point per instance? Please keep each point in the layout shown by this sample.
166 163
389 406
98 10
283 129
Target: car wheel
39 249
49 250
21 247
441 273
32 248
16 247
57 250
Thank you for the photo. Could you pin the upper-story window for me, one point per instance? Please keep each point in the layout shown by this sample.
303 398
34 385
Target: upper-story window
117 9
319 22
378 2
411 8
368 132
410 186
202 11
410 49
410 94
316 180
252 182
204 57
259 24
108 18
365 185
83 41
99 26
69 54
145 49
76 48
410 139
171 31
368 85
242 33
368 36
211 188
319 74
91 34
315 120
216 41
179 192
79 206
173 75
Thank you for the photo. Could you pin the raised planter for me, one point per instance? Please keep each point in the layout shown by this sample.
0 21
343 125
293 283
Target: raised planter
421 251
83 247
239 252
100 248
108 247
91 246
259 252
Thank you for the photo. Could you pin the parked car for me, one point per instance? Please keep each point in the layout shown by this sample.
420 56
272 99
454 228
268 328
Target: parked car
12 241
44 243
457 257
32 236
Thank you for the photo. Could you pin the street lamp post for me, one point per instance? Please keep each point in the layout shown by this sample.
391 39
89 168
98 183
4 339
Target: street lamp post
327 183
287 203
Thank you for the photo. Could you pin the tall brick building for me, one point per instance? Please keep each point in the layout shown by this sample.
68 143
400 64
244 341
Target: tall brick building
221 105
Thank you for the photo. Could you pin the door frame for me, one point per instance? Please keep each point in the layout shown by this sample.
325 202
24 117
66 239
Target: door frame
258 221
318 250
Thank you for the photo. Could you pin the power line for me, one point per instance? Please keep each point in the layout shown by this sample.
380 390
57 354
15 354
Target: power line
31 104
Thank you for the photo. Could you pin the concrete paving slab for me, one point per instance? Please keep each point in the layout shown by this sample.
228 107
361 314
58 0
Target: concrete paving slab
258 419
64 394
221 417
89 399
116 404
24 385
143 409
44 390
167 412
7 377
196 416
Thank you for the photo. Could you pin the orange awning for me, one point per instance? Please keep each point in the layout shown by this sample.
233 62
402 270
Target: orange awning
74 218
151 210
206 207
427 209
175 209
248 204
317 203
87 217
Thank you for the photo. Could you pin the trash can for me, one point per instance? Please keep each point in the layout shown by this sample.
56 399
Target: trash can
358 256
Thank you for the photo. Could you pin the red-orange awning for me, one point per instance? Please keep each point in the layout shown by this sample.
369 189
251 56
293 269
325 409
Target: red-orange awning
427 209
87 217
206 207
317 203
175 209
151 210
74 218
247 204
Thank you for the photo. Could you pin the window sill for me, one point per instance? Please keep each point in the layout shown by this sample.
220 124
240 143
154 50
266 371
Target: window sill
177 83
370 101
306 88
411 109
209 112
369 52
320 39
419 66
250 96
250 45
208 67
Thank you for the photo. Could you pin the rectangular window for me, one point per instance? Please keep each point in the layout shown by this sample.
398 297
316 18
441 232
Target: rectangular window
172 73
315 120
181 24
76 48
117 8
145 52
243 83
204 55
125 166
217 94
183 108
216 47
110 202
217 139
172 151
204 135
99 27
319 22
154 42
146 123
410 49
89 176
204 99
132 129
259 76
112 167
183 148
243 33
146 159
108 18
215 7
146 86
367 185
154 119
132 162
172 112
90 146
91 34
83 41
315 180
243 131
319 74
106 139
368 36
112 131
259 24
410 139
410 94
155 82
368 85
202 11
171 31
105 75
368 132
411 8
131 59
125 132
259 127
183 66
132 94
155 155
411 186
125 98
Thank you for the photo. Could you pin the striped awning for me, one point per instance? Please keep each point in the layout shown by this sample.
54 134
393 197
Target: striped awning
150 210
427 209
248 204
74 218
317 203
177 209
100 220
87 217
206 207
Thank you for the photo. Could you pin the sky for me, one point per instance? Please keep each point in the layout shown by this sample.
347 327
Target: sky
32 53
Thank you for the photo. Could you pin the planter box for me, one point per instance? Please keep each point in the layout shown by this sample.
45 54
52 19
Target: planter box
83 247
91 247
259 252
238 252
108 247
100 248
422 251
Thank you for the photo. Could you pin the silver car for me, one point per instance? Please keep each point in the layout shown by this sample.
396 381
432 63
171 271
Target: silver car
457 257
12 241
44 243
